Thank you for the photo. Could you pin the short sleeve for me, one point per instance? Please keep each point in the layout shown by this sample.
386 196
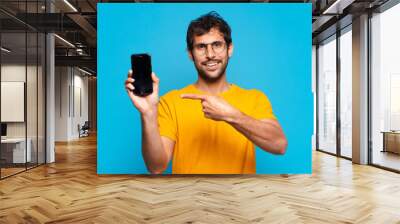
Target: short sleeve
262 108
166 119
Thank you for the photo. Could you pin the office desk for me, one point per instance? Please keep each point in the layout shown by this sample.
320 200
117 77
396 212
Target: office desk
391 141
13 150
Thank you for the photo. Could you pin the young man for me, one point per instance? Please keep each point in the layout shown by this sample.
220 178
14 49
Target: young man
211 126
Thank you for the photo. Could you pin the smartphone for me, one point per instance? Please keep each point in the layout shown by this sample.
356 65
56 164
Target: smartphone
141 72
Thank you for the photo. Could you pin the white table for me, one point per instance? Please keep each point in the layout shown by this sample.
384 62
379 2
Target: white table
18 145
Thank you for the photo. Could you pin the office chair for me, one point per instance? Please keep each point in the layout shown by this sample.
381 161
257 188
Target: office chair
84 130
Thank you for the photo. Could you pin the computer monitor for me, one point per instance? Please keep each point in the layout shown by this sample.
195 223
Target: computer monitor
3 129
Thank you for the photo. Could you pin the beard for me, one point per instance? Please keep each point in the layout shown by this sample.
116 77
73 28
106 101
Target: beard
212 78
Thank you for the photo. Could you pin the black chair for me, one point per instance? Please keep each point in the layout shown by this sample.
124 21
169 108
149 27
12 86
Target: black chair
84 130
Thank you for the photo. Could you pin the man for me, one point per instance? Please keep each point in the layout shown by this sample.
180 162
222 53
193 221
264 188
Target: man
211 126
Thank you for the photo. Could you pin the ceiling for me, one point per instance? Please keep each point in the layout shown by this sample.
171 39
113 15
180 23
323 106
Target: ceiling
76 22
329 16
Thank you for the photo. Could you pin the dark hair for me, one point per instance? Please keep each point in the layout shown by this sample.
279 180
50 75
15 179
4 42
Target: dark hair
204 24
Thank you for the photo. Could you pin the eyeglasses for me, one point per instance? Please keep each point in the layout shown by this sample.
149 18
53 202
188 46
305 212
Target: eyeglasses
217 47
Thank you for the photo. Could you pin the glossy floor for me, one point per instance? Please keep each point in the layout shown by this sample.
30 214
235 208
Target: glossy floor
70 191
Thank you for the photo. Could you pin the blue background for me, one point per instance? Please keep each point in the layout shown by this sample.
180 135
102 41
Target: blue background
272 53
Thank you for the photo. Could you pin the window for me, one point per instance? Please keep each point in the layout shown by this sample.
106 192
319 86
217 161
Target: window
385 88
327 95
346 92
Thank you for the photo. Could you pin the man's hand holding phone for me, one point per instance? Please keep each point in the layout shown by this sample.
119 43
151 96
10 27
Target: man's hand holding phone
156 149
147 105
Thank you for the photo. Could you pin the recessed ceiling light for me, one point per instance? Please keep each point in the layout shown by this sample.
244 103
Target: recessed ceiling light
65 41
5 50
70 5
84 71
337 7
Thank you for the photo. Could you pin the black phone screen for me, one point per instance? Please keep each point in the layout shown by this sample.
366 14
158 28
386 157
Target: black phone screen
141 71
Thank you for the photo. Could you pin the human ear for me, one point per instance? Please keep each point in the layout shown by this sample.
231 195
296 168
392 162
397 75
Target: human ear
190 54
230 49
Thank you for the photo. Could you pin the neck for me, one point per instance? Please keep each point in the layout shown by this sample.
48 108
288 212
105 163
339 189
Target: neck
215 87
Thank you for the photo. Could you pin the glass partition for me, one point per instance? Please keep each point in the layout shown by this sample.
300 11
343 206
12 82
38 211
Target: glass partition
22 77
13 103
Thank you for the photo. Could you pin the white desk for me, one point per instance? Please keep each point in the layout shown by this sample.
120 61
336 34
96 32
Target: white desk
18 149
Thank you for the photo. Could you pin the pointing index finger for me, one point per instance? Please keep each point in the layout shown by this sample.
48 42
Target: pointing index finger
194 96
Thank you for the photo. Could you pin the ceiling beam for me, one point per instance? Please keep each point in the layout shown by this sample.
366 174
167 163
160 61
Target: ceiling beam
86 26
82 61
337 6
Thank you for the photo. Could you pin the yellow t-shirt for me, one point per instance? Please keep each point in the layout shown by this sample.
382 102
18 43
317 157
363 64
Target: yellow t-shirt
205 146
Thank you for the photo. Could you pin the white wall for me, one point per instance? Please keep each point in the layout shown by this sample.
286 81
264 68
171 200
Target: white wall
62 81
16 72
71 102
80 110
314 91
33 127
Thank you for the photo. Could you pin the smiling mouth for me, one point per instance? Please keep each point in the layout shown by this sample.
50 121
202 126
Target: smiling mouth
211 65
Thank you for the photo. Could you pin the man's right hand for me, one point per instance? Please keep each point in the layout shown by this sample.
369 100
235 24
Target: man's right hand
157 150
147 105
